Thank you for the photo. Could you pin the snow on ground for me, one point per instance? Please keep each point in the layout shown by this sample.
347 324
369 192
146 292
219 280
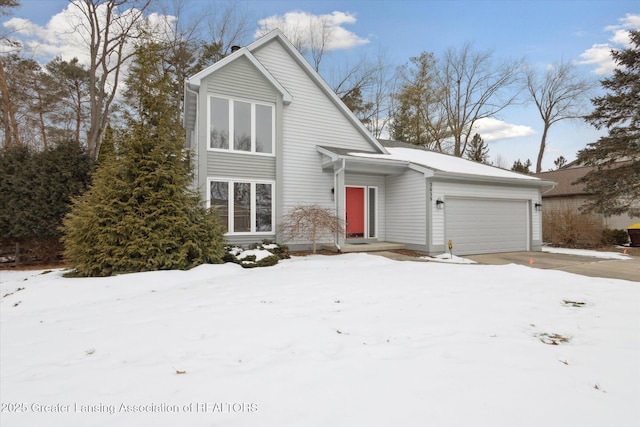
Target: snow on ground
586 252
348 340
452 259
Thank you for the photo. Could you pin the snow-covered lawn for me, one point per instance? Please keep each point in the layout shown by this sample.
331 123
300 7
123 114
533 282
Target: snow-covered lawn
349 340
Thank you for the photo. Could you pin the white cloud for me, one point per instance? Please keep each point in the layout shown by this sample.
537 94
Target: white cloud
62 36
491 129
302 28
600 54
629 22
66 33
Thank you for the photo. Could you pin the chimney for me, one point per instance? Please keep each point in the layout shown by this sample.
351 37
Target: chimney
235 48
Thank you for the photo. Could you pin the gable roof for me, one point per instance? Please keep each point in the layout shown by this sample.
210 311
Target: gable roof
276 35
434 164
196 79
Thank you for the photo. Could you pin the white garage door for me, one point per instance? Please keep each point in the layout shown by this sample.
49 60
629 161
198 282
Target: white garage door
477 226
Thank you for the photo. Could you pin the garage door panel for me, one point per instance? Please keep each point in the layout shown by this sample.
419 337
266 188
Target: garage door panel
486 225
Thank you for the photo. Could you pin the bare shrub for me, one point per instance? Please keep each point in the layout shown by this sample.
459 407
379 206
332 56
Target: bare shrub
309 221
570 228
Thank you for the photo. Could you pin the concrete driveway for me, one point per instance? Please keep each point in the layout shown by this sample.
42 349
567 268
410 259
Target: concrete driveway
587 266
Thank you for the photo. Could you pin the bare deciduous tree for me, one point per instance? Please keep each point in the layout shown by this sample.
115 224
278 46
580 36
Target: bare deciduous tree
107 31
193 43
559 94
366 88
474 88
310 222
319 38
229 24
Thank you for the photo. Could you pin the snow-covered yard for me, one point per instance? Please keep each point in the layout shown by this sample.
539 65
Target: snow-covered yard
350 340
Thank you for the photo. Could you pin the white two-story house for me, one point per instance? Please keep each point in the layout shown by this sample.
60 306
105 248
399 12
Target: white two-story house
268 133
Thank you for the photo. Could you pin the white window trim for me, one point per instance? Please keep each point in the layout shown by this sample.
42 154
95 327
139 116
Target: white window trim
230 218
232 123
377 213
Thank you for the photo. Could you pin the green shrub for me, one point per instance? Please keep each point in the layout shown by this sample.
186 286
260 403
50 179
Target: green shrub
235 254
614 237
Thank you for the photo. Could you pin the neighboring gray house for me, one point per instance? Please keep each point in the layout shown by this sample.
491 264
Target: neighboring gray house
268 133
568 195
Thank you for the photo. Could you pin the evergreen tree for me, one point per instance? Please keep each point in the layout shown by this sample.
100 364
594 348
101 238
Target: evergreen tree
560 162
140 213
617 187
478 150
419 117
518 166
36 188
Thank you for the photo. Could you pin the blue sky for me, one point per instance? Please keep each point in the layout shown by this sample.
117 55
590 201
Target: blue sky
541 32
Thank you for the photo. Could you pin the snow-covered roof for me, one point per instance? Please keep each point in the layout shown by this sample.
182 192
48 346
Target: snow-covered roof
444 163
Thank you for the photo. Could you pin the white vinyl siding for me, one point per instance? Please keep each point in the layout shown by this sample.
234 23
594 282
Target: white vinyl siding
406 208
311 119
234 164
240 79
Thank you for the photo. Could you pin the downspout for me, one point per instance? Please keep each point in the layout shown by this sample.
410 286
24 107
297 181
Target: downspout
552 187
195 145
335 195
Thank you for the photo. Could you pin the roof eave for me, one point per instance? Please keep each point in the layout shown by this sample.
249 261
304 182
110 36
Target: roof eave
493 179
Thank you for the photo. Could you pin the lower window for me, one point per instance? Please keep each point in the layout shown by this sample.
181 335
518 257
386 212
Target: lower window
242 206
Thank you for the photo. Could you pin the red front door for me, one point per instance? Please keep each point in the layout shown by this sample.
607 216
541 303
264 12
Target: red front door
355 211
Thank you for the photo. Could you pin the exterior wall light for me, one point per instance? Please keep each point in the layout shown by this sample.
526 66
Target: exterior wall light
439 203
538 207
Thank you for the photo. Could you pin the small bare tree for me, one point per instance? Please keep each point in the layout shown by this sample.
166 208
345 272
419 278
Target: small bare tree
310 222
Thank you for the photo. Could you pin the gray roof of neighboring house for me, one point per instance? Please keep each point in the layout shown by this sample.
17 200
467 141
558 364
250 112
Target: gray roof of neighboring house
564 179
566 176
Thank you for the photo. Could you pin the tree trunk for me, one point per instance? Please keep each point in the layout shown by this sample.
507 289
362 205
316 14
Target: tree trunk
17 255
313 237
543 143
11 125
78 113
43 129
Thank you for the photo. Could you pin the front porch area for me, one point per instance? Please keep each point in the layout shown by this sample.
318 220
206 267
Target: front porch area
365 247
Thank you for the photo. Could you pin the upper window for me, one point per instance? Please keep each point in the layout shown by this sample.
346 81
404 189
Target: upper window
240 126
